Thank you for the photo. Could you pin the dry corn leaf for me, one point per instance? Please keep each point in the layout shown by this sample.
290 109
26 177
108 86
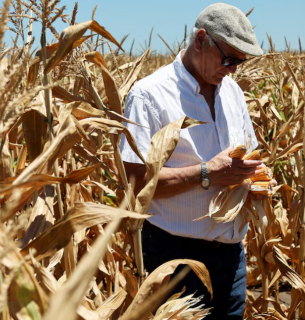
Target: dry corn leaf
64 95
261 214
40 180
67 97
112 93
21 160
228 208
133 75
85 193
113 126
42 215
144 310
96 58
110 305
295 302
164 307
45 278
276 114
5 160
293 147
82 216
26 299
163 144
181 309
107 308
292 277
292 253
102 265
295 96
72 34
99 185
159 277
75 287
82 110
34 125
55 259
46 159
283 187
50 50
132 283
16 202
252 276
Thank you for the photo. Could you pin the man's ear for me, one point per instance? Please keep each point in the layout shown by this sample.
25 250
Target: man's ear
200 39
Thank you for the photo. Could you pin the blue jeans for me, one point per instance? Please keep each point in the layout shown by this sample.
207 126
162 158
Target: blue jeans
226 264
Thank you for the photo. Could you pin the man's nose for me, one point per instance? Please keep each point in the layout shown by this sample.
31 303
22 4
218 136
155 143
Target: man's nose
232 69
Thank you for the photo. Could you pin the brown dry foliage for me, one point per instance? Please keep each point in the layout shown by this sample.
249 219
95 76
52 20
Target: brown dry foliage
69 220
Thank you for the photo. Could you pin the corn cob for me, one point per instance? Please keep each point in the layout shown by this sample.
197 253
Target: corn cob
238 152
263 188
263 174
254 155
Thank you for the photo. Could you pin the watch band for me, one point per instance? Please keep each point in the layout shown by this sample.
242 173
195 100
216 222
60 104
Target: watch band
204 171
205 181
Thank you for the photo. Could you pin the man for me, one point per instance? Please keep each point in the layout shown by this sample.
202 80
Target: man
196 84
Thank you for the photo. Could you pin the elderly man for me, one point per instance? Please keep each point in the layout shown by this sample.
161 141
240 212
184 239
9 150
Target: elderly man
197 85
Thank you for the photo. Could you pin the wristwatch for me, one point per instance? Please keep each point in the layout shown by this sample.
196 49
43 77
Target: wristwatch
205 181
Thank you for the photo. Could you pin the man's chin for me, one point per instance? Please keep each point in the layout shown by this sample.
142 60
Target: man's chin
217 80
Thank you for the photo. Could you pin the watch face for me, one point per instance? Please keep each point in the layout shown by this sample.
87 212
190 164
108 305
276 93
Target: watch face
205 183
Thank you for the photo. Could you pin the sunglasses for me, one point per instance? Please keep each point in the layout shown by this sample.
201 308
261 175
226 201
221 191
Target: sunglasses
228 61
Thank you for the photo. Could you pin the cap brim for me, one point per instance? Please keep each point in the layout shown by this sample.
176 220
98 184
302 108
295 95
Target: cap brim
241 45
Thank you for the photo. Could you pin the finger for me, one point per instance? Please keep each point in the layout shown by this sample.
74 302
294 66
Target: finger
238 178
246 163
243 171
228 150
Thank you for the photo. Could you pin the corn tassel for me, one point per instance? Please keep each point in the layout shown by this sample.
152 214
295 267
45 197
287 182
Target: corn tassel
238 152
254 155
264 174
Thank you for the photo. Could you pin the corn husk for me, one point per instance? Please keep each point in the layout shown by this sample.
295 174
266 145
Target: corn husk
263 188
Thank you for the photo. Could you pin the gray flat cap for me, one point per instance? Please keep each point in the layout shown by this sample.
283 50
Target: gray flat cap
231 25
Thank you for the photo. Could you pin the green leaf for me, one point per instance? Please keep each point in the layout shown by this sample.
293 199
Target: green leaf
109 201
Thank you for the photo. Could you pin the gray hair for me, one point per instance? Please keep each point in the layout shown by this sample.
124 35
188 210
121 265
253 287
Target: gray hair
193 35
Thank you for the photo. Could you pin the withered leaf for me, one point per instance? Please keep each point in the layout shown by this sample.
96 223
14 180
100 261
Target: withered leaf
83 215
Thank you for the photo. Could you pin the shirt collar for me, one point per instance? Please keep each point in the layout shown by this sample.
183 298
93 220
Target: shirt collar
183 74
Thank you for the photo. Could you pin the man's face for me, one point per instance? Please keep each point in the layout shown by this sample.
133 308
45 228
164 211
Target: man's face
210 68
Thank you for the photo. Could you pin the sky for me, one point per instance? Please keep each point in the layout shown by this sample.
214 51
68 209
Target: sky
168 18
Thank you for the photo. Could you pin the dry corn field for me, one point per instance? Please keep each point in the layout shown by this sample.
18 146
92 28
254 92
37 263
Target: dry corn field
70 242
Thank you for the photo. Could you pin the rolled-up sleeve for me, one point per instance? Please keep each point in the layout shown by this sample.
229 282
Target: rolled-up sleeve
139 109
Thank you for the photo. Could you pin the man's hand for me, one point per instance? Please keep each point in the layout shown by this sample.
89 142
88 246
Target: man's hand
223 170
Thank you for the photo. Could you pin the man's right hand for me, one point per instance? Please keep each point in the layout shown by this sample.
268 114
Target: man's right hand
223 170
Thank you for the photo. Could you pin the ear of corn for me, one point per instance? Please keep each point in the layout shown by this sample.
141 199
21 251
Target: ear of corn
264 174
238 152
263 188
254 155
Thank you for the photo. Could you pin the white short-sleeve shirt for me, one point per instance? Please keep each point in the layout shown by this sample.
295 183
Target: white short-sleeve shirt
170 94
